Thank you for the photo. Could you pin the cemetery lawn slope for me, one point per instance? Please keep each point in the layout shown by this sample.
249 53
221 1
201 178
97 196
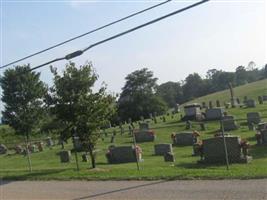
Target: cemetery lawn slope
251 90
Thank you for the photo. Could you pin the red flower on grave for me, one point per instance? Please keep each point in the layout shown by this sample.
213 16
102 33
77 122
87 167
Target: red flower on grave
151 132
244 144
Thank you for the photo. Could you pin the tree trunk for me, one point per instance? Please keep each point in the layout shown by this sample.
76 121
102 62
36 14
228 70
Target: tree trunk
92 156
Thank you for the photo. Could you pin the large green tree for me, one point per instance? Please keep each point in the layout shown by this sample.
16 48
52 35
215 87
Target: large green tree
171 93
75 104
23 94
138 96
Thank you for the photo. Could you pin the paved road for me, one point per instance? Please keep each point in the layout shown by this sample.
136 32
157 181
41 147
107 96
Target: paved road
82 190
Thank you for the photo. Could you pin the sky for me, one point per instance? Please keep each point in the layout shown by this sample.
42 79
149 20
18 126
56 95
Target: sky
222 34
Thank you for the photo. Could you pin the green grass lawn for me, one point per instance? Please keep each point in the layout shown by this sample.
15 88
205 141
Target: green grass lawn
46 164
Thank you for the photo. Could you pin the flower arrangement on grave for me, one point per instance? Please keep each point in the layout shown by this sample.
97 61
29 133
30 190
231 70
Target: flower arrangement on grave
138 152
244 144
198 149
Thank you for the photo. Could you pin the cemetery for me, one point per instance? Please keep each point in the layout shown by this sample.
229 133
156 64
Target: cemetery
177 151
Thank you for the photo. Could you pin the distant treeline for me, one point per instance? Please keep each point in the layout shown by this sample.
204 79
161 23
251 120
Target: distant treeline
215 80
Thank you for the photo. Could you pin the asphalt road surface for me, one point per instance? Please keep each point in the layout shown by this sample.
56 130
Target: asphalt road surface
82 190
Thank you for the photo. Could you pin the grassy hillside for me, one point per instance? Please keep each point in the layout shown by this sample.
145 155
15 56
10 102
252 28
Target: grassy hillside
251 90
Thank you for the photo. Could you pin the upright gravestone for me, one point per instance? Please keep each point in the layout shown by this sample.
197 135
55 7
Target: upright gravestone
77 144
65 156
49 142
3 149
184 138
122 154
214 150
245 100
264 97
210 104
229 123
260 99
250 103
204 104
161 149
218 104
253 117
169 157
214 114
237 100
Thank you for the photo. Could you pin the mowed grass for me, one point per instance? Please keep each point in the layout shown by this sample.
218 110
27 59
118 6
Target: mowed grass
47 166
251 90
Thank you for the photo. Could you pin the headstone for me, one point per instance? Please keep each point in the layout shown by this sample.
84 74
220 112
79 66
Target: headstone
144 136
204 105
264 136
129 121
122 154
77 144
214 150
237 100
245 100
250 103
3 149
202 126
49 142
251 126
19 149
85 157
229 123
262 126
169 157
191 111
264 97
210 104
184 138
218 104
112 139
188 125
143 126
65 156
161 149
150 115
253 117
214 114
260 99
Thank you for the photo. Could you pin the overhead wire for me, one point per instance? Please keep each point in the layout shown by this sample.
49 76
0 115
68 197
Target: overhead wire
87 33
80 52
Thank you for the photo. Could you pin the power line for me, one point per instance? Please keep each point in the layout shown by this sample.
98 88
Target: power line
84 34
80 52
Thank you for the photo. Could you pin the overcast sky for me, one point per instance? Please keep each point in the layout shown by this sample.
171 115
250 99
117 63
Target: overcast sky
217 34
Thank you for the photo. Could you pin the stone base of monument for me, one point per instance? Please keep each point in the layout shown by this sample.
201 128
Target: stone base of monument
169 157
184 139
161 149
253 117
214 152
123 154
65 156
144 136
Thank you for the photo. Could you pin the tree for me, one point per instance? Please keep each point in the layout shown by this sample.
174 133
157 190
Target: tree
193 87
171 93
138 96
23 94
78 107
